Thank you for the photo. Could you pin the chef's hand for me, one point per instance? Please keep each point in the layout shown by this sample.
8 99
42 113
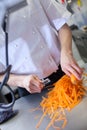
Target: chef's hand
33 84
70 66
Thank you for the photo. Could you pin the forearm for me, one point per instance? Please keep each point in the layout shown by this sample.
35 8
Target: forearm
67 61
30 82
14 80
65 37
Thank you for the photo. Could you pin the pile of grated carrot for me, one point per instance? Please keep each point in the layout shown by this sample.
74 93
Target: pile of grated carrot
66 94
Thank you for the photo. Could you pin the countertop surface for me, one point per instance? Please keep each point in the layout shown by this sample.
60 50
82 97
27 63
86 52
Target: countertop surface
25 119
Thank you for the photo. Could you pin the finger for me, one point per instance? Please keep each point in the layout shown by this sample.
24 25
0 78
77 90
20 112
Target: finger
34 89
77 68
38 86
74 72
67 72
37 78
38 83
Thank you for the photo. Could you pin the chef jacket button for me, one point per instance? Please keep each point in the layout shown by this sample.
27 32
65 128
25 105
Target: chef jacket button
33 32
41 46
26 58
24 16
16 45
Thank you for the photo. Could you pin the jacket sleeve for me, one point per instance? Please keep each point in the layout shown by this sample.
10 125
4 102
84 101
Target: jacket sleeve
56 13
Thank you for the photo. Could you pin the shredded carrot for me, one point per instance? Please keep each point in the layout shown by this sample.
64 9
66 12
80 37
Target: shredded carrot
66 94
74 80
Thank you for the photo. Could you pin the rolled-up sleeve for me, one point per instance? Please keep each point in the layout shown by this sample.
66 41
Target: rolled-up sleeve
56 13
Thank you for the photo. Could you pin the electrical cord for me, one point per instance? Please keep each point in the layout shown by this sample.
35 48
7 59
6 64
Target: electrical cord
7 72
6 110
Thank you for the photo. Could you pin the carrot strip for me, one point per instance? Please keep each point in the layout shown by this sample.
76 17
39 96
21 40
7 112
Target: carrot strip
66 94
41 119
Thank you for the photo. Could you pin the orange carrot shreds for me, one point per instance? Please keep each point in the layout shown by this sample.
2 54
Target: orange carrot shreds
34 109
74 80
85 74
64 96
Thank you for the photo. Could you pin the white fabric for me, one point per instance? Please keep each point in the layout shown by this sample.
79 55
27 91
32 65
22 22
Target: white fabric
2 12
33 42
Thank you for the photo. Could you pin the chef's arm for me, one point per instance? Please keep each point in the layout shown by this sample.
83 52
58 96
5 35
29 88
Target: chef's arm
65 37
14 80
68 63
30 82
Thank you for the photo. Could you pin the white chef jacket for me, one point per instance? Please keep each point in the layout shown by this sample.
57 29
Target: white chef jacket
34 46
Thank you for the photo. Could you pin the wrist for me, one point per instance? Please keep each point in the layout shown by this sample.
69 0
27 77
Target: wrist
16 80
66 51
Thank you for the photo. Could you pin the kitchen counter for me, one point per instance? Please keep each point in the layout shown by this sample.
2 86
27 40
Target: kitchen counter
25 119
